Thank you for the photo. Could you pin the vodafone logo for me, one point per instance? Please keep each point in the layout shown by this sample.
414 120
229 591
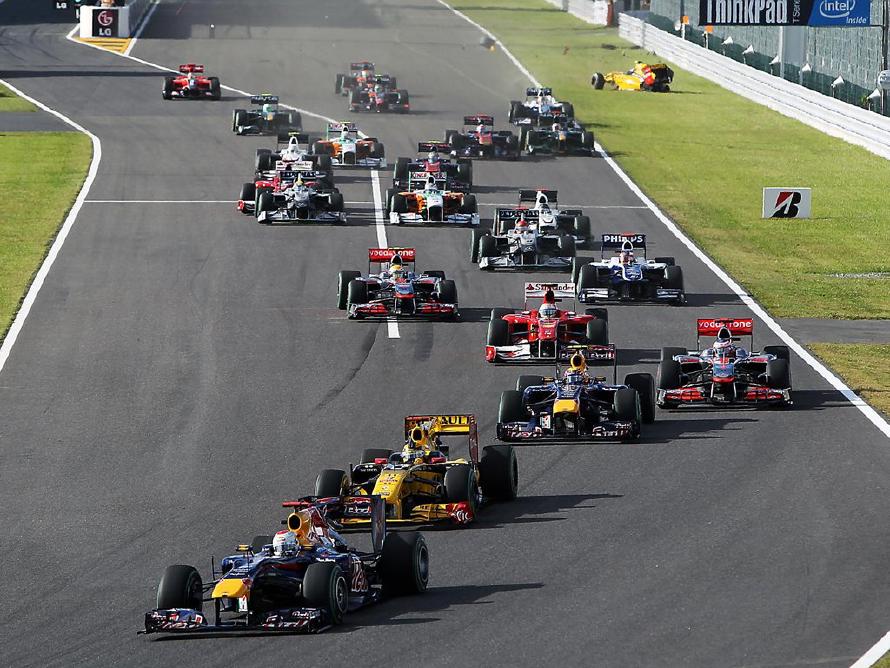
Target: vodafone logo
105 18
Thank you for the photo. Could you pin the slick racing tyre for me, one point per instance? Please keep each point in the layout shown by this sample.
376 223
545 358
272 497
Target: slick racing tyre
400 171
644 384
180 587
167 90
377 150
475 236
581 226
338 85
566 246
488 247
215 92
371 454
239 117
669 352
399 204
460 485
779 351
356 293
337 202
469 204
248 193
447 292
404 563
325 587
673 278
669 373
527 381
264 202
597 332
568 109
511 408
343 280
465 172
778 375
498 333
626 404
598 312
598 81
331 482
499 472
387 200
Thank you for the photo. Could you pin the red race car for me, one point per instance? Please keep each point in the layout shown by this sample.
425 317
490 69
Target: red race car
548 334
191 83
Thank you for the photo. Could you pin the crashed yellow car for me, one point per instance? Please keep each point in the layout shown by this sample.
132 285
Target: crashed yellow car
655 78
424 482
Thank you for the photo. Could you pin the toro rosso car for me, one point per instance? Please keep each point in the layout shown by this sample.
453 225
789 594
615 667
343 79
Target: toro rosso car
454 175
265 118
380 95
424 482
431 205
628 276
539 108
655 78
302 580
539 207
397 290
563 137
522 247
192 84
724 374
478 139
548 334
348 149
300 202
576 407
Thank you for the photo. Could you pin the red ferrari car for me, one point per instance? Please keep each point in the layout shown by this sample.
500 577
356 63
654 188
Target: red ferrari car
548 334
191 83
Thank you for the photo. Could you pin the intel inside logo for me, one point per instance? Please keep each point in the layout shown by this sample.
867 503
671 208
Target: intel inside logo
836 9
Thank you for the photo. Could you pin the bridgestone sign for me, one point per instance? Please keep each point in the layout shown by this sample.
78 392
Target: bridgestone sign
842 13
787 202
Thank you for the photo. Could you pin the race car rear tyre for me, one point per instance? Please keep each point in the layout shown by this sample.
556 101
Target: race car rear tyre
370 454
400 171
167 90
331 482
377 150
460 484
465 171
673 278
669 261
669 352
264 161
447 135
511 408
568 109
626 404
259 542
586 140
180 587
499 472
404 563
525 381
324 163
356 293
447 292
498 333
644 384
582 226
403 101
399 204
488 246
598 81
589 277
475 236
435 273
338 85
781 352
337 201
531 140
523 136
248 192
498 313
321 148
577 264
295 120
469 204
215 92
669 372
566 246
598 312
598 332
778 375
387 200
516 111
325 587
514 150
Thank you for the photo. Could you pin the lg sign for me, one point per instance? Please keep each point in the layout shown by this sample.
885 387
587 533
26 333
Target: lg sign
787 202
105 18
105 23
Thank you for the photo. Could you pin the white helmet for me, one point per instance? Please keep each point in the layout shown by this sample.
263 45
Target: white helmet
284 544
548 310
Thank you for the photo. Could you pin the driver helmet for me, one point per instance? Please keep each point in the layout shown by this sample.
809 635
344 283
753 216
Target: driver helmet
577 371
556 127
433 156
626 257
521 224
378 88
367 73
269 108
413 456
480 128
723 345
396 268
548 310
284 544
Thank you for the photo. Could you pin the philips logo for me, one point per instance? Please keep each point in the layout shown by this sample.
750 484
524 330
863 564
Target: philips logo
836 9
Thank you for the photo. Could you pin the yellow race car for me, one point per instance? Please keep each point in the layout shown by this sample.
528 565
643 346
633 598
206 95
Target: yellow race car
653 78
423 483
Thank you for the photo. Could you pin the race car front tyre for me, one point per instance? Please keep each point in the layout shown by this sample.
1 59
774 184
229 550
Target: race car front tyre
588 277
673 278
377 150
460 485
404 563
400 171
465 171
447 292
498 313
666 260
626 404
511 408
566 246
778 375
371 454
525 381
215 92
516 111
531 140
180 587
581 226
669 372
568 109
387 200
331 482
239 117
338 85
669 352
167 90
499 472
357 293
488 246
248 192
475 236
598 81
264 202
321 148
514 150
324 163
498 333
587 140
469 204
780 352
337 201
399 204
597 332
325 587
644 384
598 312
295 120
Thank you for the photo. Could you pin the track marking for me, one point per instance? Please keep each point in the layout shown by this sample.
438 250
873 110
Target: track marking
33 290
142 23
392 327
160 201
513 205
876 652
869 412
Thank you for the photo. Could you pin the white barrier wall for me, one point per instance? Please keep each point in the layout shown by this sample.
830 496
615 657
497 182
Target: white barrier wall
128 18
836 118
592 11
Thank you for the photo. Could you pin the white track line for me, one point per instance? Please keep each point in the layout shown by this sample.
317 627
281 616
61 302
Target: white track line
144 22
160 201
573 206
871 657
392 327
40 276
747 299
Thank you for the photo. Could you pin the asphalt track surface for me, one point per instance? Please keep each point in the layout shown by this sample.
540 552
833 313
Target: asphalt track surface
184 369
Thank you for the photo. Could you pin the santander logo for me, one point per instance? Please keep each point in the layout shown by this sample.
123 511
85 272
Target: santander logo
836 9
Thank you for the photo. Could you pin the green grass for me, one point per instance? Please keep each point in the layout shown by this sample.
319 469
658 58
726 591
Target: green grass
704 154
9 101
40 176
864 368
883 662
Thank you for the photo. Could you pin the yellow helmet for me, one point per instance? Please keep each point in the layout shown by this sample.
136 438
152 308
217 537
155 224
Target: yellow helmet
395 264
417 438
577 363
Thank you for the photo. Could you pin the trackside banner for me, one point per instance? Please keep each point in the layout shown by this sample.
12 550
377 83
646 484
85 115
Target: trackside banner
787 202
840 13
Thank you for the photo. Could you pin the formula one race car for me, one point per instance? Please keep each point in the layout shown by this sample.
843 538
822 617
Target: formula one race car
431 205
724 374
482 141
522 247
300 202
454 175
539 108
576 407
628 276
191 84
563 137
265 118
380 95
548 334
348 149
655 78
424 483
282 177
301 581
292 147
546 216
396 290
360 75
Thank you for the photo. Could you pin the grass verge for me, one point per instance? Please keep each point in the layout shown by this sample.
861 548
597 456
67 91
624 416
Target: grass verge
9 101
40 176
863 367
704 154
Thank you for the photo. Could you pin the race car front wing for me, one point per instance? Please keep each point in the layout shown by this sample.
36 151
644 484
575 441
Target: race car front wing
527 431
510 262
417 219
186 620
752 395
382 309
592 295
290 216
523 353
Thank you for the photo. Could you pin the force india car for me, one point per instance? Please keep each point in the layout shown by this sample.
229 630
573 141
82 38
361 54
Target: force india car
348 149
305 587
191 84
539 108
563 137
380 95
396 290
541 209
300 202
548 334
478 139
424 483
359 76
454 175
265 118
725 373
431 205
291 147
655 78
523 248
628 276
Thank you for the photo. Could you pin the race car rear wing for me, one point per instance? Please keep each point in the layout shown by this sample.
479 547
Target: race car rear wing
448 425
534 92
607 353
384 256
623 241
339 126
479 119
191 68
284 137
531 195
738 327
265 98
358 67
427 146
556 291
